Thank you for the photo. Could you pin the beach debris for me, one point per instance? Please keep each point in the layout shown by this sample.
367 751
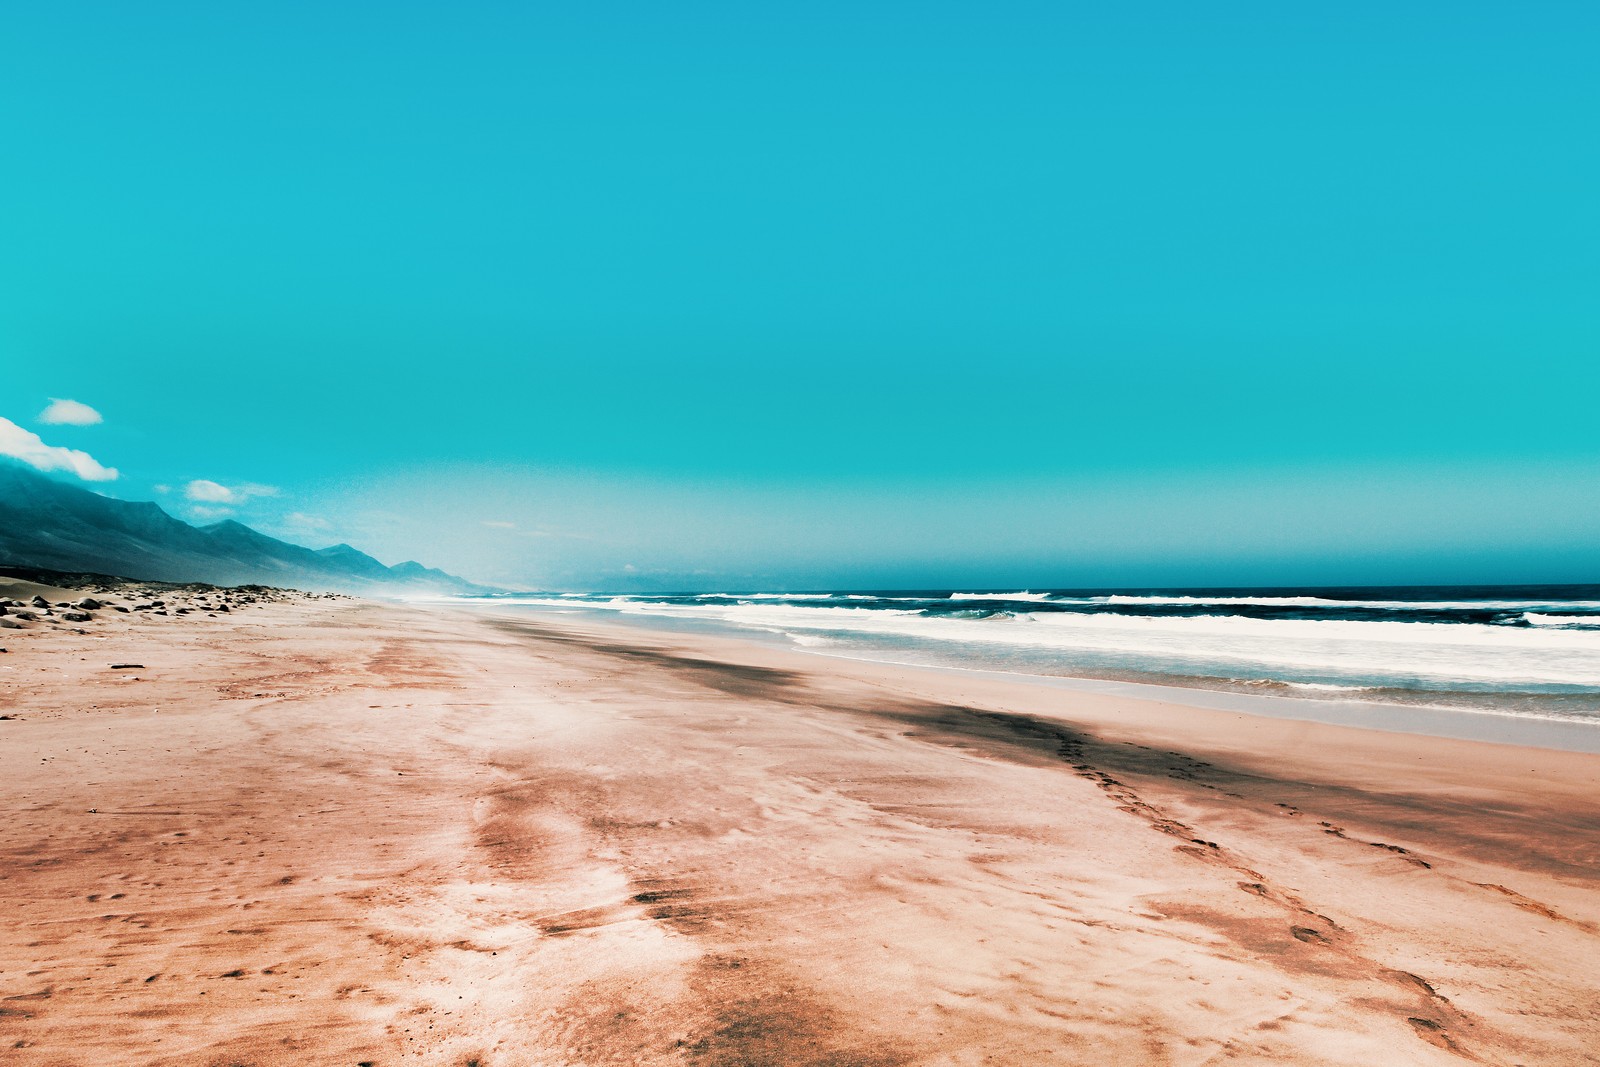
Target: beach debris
127 666
1309 935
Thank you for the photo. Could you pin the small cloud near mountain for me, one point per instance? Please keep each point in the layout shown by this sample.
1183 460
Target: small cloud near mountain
208 491
204 491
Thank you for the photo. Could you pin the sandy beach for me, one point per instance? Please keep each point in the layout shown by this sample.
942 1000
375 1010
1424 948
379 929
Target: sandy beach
338 832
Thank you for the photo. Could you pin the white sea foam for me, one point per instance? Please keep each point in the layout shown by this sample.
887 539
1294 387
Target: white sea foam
1128 600
1001 596
1281 685
1365 652
749 596
1328 655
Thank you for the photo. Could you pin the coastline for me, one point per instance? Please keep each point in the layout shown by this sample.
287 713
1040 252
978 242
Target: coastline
1460 723
351 831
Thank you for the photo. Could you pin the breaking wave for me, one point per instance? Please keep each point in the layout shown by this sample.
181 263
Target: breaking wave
1529 648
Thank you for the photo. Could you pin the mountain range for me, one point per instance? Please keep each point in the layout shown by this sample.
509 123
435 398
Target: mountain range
50 524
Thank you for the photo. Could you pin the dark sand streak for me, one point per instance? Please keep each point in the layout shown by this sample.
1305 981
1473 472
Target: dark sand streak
1114 764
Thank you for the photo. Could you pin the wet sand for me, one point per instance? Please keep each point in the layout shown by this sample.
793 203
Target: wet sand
345 833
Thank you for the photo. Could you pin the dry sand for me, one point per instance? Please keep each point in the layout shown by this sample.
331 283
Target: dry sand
344 833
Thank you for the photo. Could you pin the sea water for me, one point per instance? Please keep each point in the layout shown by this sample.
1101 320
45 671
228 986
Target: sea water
1529 652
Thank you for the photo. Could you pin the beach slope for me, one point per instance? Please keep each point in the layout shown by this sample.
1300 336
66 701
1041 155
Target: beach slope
311 831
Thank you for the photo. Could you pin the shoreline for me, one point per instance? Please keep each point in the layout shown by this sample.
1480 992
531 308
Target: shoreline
1173 720
1467 724
344 831
1511 728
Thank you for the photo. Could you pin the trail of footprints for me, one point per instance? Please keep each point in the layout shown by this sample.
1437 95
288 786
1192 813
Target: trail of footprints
1404 853
1435 1019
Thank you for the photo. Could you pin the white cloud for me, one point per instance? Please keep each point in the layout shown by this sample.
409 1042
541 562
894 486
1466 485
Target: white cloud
209 492
250 489
204 511
69 413
300 520
28 447
163 488
566 535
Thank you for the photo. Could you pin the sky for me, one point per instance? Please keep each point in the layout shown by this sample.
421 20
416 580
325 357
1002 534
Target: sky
626 296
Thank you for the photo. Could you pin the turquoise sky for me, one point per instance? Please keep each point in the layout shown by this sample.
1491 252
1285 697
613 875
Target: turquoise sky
817 294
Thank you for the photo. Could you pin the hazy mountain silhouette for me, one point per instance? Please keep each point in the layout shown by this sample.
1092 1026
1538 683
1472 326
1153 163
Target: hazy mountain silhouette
51 524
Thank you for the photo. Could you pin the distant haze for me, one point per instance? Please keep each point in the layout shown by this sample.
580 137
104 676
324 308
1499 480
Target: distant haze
1289 527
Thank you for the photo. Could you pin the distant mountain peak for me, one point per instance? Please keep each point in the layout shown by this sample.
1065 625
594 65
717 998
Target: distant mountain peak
355 560
231 527
343 551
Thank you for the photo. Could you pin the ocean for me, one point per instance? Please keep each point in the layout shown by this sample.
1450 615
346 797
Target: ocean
1527 651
